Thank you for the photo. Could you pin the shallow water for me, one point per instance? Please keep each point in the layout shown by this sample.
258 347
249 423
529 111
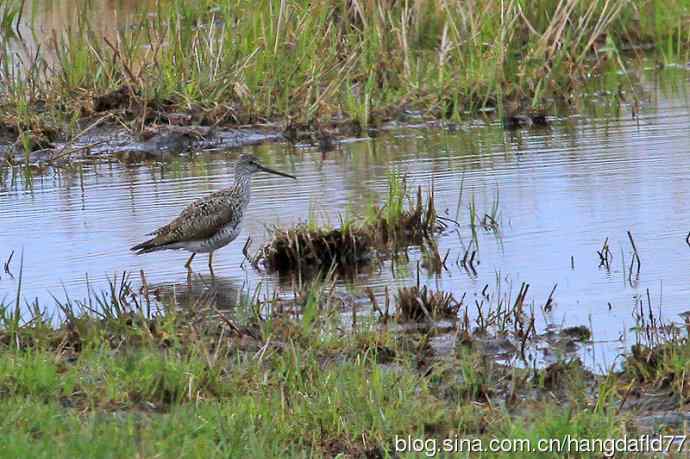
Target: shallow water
561 192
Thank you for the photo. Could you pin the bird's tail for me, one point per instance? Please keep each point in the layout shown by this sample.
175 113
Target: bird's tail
147 246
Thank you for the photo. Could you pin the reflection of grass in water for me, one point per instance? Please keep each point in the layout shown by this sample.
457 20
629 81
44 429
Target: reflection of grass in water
243 62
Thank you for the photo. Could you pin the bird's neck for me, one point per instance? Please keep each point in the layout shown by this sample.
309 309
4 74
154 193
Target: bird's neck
243 188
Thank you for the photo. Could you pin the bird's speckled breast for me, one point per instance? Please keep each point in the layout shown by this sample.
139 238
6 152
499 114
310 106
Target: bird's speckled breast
224 237
231 230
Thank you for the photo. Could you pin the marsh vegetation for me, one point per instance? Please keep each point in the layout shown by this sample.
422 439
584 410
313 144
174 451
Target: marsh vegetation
329 67
429 301
145 375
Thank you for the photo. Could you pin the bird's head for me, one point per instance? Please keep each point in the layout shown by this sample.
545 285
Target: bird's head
249 164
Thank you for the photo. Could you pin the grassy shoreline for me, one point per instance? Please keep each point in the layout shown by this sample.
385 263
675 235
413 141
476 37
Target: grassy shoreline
290 381
325 66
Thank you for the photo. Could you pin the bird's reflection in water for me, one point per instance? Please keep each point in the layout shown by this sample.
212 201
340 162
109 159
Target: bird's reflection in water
201 292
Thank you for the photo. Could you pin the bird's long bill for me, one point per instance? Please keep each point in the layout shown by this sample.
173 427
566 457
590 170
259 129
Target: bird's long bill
271 171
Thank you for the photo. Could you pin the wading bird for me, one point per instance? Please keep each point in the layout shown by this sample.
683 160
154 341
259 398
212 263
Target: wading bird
212 222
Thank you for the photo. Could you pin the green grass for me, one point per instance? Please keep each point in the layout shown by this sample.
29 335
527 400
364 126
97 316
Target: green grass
664 365
305 62
293 403
181 382
286 402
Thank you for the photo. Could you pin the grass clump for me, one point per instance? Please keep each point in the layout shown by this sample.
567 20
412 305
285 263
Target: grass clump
395 222
417 304
384 228
665 366
304 247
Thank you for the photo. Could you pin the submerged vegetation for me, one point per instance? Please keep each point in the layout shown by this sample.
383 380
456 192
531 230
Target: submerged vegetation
322 65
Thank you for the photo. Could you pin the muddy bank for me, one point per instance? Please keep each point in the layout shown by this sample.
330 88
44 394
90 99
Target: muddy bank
155 143
105 139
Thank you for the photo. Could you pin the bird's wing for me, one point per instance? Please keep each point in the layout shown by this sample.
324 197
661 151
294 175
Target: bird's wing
200 220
